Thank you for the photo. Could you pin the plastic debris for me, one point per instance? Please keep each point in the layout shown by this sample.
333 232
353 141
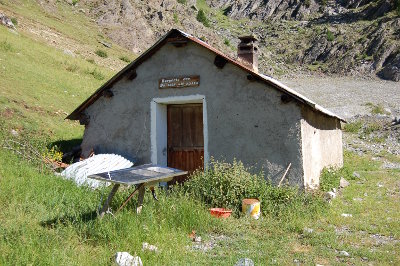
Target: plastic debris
100 163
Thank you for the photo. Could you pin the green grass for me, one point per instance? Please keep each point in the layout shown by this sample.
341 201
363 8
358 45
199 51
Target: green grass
353 127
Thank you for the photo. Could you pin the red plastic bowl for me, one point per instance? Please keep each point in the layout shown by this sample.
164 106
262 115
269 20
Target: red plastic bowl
220 212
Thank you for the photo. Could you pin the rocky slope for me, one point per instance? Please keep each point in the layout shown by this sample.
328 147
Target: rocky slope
339 37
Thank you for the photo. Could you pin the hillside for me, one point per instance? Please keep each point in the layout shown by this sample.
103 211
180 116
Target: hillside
335 37
341 37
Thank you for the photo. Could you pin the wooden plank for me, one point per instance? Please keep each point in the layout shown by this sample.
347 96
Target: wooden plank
179 82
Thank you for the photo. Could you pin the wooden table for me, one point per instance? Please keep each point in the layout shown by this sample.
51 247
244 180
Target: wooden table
141 176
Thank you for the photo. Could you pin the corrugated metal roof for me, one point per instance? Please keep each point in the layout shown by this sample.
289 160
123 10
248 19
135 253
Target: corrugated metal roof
75 115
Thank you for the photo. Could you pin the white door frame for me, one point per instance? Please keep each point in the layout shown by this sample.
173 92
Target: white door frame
158 132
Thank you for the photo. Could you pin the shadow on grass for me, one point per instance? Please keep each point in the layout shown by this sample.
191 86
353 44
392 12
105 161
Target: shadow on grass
62 221
67 145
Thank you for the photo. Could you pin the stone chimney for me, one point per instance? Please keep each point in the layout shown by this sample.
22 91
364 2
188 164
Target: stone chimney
248 51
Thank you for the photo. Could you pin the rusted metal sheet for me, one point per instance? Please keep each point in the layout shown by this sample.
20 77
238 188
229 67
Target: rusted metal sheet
180 82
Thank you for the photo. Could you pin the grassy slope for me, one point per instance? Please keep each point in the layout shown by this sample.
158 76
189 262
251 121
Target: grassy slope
47 220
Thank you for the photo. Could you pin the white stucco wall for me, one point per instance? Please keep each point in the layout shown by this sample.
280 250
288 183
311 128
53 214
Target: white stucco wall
321 144
246 119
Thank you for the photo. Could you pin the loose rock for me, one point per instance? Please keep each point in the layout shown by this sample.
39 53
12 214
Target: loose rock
126 259
244 262
147 246
347 215
343 183
344 253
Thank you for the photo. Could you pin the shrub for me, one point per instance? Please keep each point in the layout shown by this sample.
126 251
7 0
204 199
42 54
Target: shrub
183 2
14 21
96 74
329 35
330 177
398 7
125 59
101 53
176 20
227 42
307 3
201 17
227 184
353 127
91 60
74 2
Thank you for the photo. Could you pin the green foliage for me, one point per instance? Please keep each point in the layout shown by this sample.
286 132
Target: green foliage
183 2
307 3
398 7
74 2
95 73
329 35
125 59
353 127
101 53
91 60
6 46
372 127
14 21
53 153
201 17
176 20
227 42
227 184
324 2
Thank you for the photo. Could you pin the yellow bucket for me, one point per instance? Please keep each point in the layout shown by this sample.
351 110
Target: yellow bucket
251 207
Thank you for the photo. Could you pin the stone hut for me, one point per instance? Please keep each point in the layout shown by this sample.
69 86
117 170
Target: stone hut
182 102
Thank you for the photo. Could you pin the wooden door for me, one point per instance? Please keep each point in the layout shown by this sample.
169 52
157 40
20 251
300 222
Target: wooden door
185 138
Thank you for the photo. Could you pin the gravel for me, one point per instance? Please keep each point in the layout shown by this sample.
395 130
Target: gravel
347 96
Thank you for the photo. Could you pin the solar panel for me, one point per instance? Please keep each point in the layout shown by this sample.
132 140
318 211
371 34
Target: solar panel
139 174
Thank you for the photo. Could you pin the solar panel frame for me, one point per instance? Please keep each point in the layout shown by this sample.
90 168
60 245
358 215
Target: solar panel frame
139 174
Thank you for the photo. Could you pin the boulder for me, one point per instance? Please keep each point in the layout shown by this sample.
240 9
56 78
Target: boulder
6 21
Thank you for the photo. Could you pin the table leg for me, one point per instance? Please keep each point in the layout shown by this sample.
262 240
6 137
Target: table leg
109 199
140 199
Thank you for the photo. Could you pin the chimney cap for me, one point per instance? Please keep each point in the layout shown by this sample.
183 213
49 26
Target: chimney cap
248 38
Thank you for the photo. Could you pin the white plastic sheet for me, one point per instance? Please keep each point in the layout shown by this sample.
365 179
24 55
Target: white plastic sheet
100 163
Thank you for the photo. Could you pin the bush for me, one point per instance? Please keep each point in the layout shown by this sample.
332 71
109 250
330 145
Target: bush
14 21
91 60
101 53
227 184
125 59
176 20
227 42
398 7
329 35
96 74
201 17
353 127
183 2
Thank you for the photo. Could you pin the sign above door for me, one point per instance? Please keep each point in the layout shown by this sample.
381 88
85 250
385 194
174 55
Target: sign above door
181 82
